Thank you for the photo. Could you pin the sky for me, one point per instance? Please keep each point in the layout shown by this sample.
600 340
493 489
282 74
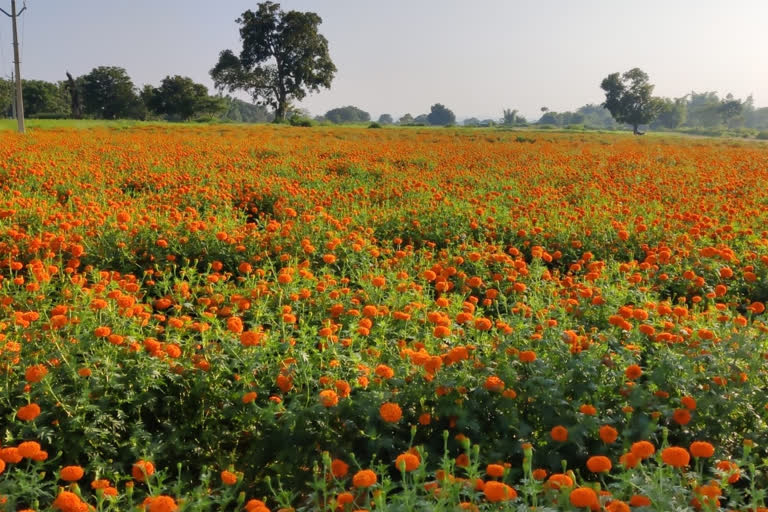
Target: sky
477 57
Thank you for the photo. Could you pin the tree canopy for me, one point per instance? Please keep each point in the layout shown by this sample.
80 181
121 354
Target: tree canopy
440 115
348 114
109 93
180 98
629 98
283 57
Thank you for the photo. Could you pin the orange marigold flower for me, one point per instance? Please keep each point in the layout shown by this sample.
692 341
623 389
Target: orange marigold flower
494 383
629 460
162 504
100 484
35 373
730 469
329 398
583 497
390 412
701 449
384 371
228 478
617 506
559 433
28 449
689 403
681 416
495 470
638 500
10 455
527 356
559 480
407 462
339 468
69 502
643 449
633 372
599 464
28 412
142 469
587 409
608 434
539 474
344 498
462 460
496 491
675 456
71 473
256 506
364 478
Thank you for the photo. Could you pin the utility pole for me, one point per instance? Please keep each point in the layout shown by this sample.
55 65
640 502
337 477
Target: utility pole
13 101
17 62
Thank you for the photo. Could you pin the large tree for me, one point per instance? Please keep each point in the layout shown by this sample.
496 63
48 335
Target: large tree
282 59
108 93
440 115
347 114
180 98
629 98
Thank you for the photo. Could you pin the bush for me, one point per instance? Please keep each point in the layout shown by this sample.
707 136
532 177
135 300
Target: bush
48 115
297 120
762 135
374 125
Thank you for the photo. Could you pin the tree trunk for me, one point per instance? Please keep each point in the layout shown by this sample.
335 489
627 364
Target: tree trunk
74 96
280 112
636 130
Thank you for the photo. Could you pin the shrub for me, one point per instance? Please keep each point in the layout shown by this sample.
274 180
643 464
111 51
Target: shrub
297 120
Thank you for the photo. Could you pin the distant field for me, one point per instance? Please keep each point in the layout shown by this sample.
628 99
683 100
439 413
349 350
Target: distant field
225 313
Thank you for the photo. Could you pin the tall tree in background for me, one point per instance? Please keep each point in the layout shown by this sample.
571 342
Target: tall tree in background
108 93
629 98
347 114
74 96
180 98
282 59
440 115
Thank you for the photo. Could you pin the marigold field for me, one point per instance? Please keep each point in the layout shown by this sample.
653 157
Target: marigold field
277 318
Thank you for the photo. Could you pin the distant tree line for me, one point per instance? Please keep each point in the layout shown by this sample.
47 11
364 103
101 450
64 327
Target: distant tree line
107 92
629 98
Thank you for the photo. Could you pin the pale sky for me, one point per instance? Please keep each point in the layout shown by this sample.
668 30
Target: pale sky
395 56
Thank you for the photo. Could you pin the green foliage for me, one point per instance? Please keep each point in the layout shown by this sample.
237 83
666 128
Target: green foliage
374 125
243 112
299 120
762 135
348 114
672 113
440 115
180 98
510 118
42 97
629 98
385 119
405 120
109 93
283 57
6 97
